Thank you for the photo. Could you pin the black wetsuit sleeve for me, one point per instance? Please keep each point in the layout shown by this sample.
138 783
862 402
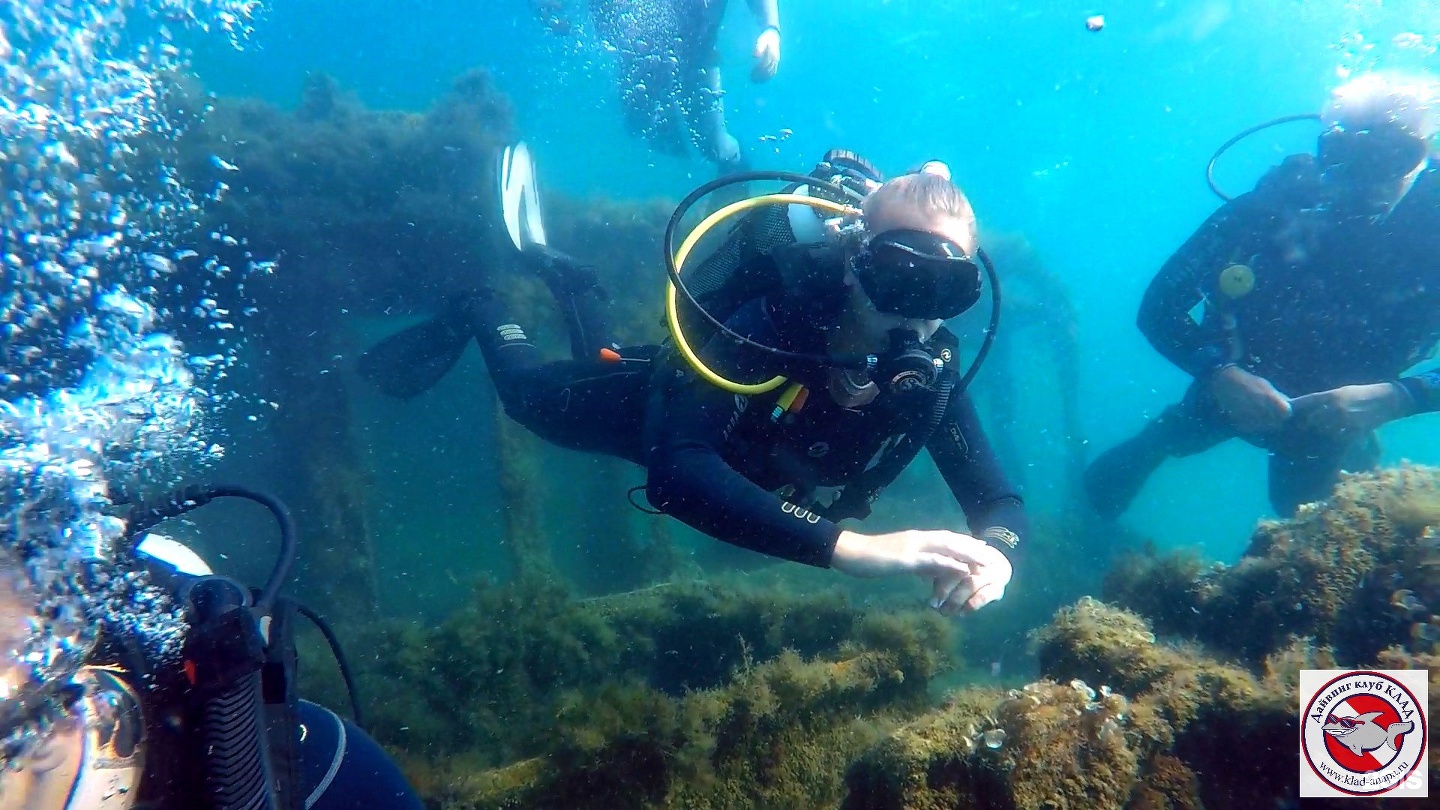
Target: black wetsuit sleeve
1181 284
965 459
689 479
1424 390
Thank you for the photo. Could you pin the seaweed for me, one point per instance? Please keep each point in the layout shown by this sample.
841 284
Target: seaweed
1356 573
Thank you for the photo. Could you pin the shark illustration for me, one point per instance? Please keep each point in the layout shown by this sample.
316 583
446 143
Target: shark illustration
1360 734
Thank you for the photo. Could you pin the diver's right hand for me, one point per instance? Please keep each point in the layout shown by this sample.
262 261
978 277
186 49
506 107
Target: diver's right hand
1251 403
767 55
967 573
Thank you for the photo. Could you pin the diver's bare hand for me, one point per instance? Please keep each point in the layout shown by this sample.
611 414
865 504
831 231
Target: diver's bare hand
1251 403
966 573
767 55
1352 408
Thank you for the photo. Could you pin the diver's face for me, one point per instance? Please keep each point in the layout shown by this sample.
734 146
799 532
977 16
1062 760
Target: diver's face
43 778
1367 172
865 324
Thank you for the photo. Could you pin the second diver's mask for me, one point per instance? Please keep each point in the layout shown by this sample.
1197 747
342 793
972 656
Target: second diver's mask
1380 153
917 274
1372 168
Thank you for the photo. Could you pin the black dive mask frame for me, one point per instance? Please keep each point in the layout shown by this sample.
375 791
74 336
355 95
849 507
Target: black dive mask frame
1368 154
1378 154
917 274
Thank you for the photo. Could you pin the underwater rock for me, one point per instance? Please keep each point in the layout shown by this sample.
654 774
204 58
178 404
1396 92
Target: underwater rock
487 685
777 734
1121 720
1356 573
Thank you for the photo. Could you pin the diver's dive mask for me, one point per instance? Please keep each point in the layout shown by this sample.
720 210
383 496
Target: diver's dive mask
917 274
1371 155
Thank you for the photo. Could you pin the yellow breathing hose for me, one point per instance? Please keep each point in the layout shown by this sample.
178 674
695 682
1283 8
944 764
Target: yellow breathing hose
672 311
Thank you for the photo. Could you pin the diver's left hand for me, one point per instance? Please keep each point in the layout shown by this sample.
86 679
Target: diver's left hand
990 573
767 55
1351 408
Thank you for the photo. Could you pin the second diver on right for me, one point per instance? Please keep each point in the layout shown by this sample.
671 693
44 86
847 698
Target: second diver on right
1313 294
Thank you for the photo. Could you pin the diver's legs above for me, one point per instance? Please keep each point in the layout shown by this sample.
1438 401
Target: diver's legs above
707 120
1304 475
1116 476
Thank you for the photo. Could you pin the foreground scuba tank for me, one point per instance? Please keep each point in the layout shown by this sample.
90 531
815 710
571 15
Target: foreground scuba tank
223 658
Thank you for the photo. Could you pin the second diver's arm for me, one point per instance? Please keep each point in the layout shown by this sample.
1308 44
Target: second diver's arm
767 12
767 44
1164 316
1423 390
968 464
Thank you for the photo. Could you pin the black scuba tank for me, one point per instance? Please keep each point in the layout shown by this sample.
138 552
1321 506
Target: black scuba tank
734 274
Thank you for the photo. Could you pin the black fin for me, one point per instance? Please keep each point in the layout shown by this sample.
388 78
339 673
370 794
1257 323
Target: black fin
409 363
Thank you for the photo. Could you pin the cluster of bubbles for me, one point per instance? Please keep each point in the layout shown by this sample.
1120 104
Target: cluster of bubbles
92 393
646 41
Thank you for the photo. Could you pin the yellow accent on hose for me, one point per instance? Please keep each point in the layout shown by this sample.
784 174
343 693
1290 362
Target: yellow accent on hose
672 313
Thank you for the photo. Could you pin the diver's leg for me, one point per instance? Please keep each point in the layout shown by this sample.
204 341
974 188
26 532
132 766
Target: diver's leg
582 301
1303 478
1305 472
576 404
707 119
1116 476
342 768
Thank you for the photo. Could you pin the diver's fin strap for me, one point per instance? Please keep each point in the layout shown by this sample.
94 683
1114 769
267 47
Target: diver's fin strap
859 496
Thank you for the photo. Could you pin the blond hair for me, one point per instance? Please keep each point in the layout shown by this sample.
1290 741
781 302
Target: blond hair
923 191
1377 99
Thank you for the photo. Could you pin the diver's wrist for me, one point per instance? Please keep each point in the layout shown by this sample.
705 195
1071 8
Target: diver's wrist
1002 539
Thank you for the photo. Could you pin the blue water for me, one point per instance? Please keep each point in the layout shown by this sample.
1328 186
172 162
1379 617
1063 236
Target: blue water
1092 144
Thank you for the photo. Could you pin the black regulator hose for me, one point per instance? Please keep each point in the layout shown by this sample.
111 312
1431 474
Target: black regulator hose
147 514
674 272
346 674
1242 135
994 326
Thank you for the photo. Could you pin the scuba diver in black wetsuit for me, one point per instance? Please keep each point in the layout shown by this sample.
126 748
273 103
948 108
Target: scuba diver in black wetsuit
857 376
1319 289
214 725
669 68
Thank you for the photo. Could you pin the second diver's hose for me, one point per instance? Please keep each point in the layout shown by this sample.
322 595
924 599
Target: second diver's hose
1240 136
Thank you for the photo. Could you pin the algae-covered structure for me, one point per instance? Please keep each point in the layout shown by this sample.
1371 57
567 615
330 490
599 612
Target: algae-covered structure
723 695
548 689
